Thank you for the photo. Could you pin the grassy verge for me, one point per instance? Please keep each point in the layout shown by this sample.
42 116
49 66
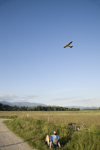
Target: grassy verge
35 130
8 117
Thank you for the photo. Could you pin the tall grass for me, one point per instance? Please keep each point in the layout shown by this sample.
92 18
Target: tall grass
58 117
34 130
36 126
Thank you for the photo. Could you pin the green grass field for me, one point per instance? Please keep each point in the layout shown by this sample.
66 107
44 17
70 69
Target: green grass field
33 127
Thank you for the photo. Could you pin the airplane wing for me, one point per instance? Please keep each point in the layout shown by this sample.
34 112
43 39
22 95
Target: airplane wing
67 44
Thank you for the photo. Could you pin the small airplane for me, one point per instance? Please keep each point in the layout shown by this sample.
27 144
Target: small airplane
67 45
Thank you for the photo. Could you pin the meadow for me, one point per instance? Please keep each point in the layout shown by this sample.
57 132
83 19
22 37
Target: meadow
33 126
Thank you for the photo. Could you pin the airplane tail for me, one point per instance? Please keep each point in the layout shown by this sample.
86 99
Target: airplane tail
70 46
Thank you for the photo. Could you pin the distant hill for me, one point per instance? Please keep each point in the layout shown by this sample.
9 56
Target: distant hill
82 107
20 104
28 104
6 103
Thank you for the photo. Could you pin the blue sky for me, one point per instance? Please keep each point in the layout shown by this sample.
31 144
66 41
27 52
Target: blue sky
35 67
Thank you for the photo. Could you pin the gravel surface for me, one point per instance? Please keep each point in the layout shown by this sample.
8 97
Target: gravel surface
9 141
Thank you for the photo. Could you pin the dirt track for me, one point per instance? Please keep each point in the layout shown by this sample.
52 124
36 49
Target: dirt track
9 141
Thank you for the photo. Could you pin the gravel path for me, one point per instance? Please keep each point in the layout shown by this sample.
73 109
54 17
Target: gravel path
9 141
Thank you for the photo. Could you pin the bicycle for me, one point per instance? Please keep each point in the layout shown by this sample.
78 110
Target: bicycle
76 127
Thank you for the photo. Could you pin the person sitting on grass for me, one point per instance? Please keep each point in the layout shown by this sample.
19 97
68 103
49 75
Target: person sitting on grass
53 141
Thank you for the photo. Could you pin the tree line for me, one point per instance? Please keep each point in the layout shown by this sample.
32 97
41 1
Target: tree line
38 108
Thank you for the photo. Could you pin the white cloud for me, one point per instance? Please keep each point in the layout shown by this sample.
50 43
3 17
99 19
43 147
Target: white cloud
85 100
31 96
8 97
15 98
64 98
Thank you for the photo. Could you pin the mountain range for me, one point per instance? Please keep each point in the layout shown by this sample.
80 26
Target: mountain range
28 104
20 104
